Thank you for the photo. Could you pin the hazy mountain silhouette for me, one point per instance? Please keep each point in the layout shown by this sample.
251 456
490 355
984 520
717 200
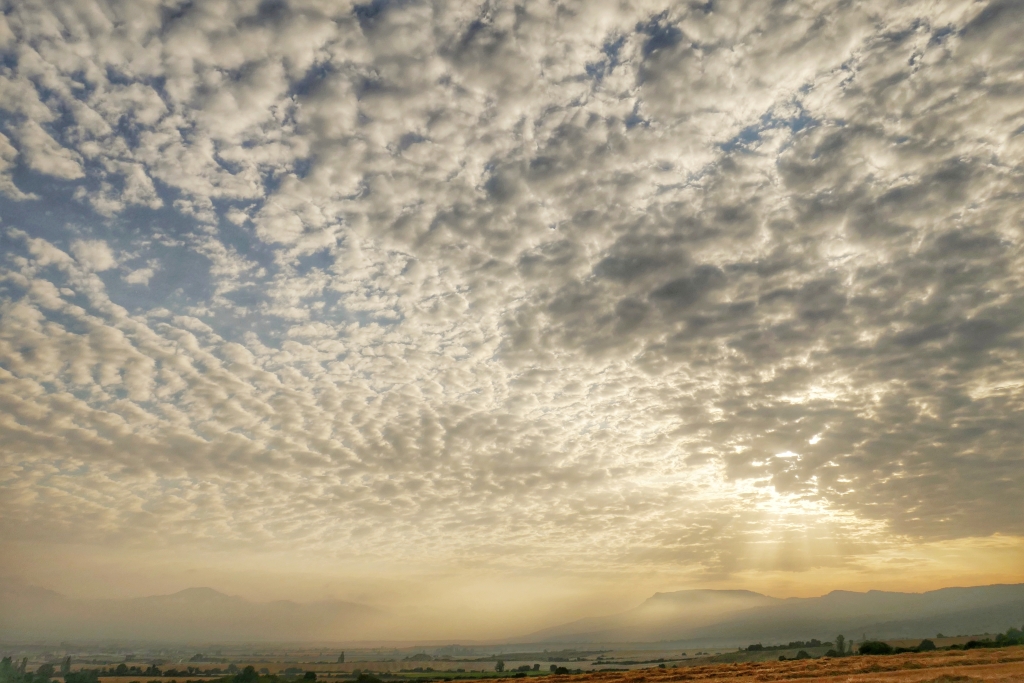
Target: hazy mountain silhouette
661 614
191 615
689 618
741 617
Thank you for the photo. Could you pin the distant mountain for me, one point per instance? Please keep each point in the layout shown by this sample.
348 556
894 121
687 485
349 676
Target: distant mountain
702 618
193 615
663 613
688 619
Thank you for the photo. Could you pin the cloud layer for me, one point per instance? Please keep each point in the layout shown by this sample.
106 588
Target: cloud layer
474 283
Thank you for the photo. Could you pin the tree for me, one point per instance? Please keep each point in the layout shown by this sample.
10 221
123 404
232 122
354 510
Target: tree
499 665
840 644
309 676
248 675
65 667
341 658
45 670
926 646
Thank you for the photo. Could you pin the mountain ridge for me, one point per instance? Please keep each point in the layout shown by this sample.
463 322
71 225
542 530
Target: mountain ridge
690 618
189 615
888 614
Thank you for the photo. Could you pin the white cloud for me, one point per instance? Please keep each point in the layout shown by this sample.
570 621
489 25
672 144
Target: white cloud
8 156
139 276
45 155
448 279
94 255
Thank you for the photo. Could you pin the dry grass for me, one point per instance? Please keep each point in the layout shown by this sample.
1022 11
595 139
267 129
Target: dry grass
972 666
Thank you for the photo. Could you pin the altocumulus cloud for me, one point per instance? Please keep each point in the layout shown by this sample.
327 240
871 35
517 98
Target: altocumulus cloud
446 279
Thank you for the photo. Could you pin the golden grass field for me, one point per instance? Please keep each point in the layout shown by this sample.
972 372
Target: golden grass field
971 666
954 666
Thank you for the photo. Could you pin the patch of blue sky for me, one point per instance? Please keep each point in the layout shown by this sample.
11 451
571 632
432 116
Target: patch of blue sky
182 279
660 35
940 35
50 215
611 49
768 121
139 236
368 13
242 238
635 119
322 259
312 79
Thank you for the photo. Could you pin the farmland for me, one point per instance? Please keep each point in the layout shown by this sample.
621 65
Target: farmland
1003 665
955 666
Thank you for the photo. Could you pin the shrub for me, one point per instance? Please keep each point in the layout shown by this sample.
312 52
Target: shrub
875 647
926 646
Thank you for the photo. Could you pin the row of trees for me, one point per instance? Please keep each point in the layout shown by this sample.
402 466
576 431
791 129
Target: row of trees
813 642
45 673
18 673
499 666
843 647
1013 636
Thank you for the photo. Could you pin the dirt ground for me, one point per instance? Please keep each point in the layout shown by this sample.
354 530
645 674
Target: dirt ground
971 666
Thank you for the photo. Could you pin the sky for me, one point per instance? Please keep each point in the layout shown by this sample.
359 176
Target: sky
500 314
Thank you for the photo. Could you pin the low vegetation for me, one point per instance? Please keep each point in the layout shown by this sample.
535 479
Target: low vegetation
841 656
